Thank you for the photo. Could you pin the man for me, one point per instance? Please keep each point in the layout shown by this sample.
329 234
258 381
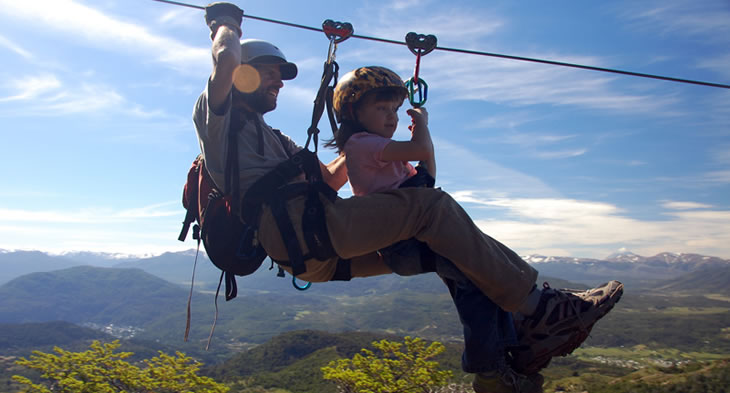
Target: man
319 237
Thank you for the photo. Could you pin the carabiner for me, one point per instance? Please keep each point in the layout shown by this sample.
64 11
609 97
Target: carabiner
302 288
331 51
414 85
336 32
420 45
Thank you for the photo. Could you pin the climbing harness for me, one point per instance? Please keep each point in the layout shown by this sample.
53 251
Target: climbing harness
419 45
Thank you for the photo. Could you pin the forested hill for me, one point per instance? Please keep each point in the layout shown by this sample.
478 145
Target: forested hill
88 294
293 360
20 339
706 281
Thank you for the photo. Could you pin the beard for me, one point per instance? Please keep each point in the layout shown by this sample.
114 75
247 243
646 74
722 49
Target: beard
259 101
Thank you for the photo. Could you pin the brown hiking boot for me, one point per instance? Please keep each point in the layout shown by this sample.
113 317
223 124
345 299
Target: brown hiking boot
562 321
507 381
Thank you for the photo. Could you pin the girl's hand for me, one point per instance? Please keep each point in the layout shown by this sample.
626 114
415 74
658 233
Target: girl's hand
419 116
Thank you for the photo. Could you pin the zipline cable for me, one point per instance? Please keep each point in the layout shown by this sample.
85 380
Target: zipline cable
479 53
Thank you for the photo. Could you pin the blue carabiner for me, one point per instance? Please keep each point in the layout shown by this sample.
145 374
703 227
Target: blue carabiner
422 87
304 288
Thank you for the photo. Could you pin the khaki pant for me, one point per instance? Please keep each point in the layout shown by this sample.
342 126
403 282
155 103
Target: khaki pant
359 226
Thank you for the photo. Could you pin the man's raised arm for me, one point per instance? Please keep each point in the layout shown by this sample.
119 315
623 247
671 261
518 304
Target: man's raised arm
224 20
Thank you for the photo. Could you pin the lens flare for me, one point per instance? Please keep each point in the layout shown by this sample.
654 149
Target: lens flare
246 78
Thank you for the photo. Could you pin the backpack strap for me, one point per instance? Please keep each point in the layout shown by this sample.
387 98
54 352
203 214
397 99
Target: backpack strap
190 200
232 170
283 140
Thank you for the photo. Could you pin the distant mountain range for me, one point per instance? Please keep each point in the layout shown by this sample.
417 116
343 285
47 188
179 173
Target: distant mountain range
177 267
629 268
132 302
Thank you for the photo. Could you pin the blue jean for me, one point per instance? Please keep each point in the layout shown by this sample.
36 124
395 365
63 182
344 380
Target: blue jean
488 330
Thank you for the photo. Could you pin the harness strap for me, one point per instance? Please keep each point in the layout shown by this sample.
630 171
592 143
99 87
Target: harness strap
288 234
262 190
321 101
231 287
314 226
259 132
189 219
232 171
274 189
330 108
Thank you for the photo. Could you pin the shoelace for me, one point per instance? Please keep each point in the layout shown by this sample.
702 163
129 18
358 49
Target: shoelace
575 309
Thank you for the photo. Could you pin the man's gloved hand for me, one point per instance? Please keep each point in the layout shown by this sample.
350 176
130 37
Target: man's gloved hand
221 13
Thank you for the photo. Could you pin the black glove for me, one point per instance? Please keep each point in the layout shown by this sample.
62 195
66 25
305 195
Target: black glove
220 13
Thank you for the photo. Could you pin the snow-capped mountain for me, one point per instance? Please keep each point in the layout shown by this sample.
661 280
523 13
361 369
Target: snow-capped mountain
624 266
624 255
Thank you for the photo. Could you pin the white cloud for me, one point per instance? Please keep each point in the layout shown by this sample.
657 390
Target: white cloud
547 226
89 215
31 87
535 144
721 154
450 24
507 120
561 153
685 17
46 95
400 5
94 26
679 205
517 83
461 169
15 48
88 99
534 139
551 226
298 95
100 238
151 229
719 64
718 177
180 17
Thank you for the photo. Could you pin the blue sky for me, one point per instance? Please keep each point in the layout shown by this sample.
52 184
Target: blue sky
96 101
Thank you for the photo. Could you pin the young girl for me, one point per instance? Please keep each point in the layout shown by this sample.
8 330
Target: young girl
366 102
